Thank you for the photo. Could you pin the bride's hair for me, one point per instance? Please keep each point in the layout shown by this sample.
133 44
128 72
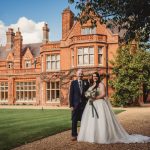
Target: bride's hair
97 82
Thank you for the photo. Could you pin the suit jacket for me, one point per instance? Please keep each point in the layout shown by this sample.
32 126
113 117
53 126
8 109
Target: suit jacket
75 95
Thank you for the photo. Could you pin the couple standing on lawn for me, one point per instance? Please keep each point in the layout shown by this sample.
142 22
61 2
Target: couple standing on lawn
98 122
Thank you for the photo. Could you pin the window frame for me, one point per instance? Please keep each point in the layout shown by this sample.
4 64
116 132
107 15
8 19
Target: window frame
100 55
10 65
28 63
4 91
88 30
83 53
51 61
53 87
24 89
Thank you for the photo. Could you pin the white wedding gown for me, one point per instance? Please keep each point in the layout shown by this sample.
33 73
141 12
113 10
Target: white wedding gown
104 129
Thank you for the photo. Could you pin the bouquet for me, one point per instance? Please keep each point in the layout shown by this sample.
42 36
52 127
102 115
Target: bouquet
91 95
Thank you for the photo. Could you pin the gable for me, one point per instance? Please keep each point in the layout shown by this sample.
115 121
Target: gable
101 29
28 54
10 57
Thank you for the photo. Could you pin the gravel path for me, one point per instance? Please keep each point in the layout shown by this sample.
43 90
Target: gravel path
134 120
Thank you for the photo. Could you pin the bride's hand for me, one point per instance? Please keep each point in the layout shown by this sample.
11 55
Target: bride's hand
93 99
97 98
94 84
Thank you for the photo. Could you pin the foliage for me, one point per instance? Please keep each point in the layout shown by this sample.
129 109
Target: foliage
133 16
130 72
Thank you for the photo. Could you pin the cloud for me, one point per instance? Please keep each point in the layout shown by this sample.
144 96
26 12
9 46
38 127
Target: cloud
3 29
30 30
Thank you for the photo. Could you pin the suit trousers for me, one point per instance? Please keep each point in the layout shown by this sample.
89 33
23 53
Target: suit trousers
76 116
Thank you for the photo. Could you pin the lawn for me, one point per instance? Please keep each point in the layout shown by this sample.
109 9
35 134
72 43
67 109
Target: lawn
20 126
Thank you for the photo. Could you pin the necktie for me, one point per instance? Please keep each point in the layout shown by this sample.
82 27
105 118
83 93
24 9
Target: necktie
80 85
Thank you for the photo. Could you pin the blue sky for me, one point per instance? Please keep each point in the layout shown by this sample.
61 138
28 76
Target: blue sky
33 12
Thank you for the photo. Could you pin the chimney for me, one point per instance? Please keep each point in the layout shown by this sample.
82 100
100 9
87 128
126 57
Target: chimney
10 39
67 21
45 33
17 49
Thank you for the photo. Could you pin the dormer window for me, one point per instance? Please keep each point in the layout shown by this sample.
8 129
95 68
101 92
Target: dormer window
10 65
27 63
88 30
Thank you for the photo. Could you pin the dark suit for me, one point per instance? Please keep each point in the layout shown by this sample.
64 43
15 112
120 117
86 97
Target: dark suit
77 101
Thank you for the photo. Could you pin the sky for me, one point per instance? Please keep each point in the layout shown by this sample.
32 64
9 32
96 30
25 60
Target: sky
30 15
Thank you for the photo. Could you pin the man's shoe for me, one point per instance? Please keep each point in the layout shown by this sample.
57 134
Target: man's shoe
74 138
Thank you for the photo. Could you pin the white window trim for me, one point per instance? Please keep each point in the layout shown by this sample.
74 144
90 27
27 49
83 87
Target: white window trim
88 30
28 61
50 61
26 87
56 100
102 63
4 90
10 65
83 57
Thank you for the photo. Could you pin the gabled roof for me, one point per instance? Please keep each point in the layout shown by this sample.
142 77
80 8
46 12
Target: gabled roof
10 56
34 48
27 54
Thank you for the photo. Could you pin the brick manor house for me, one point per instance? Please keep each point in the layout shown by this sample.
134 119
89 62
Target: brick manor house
40 74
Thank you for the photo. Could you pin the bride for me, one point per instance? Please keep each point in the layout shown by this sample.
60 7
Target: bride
99 124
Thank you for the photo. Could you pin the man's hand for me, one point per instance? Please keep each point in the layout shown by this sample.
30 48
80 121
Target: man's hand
71 108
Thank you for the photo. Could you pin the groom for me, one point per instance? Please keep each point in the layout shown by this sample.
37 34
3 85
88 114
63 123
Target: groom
77 100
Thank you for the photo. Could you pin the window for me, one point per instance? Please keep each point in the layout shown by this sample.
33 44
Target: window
88 30
3 91
25 91
27 63
72 56
53 62
100 55
10 65
86 56
53 91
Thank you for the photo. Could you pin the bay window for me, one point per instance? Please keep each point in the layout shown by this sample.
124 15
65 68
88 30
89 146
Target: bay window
86 56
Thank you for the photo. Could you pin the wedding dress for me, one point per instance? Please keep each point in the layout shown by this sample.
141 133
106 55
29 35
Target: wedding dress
99 125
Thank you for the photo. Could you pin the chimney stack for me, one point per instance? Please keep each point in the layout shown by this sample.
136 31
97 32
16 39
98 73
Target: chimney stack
17 50
45 33
10 39
67 21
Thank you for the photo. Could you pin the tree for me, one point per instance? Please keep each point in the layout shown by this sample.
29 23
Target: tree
131 72
133 16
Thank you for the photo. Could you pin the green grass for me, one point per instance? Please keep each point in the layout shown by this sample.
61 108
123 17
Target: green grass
20 126
117 111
